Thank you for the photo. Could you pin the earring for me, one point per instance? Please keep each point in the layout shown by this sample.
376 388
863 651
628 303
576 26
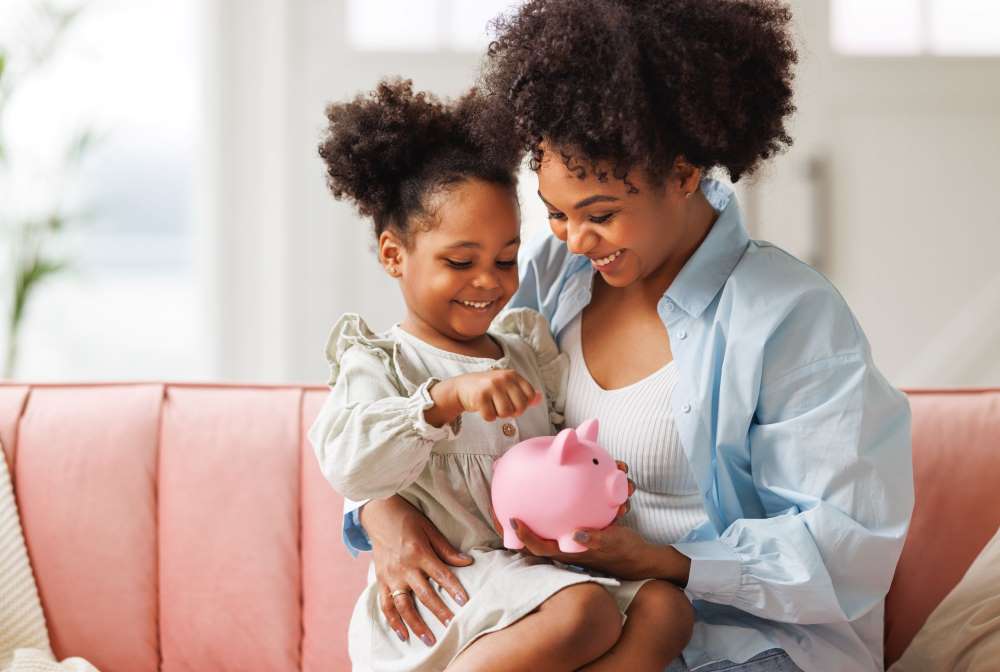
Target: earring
689 194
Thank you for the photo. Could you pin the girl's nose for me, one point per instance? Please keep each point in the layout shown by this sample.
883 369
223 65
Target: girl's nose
486 280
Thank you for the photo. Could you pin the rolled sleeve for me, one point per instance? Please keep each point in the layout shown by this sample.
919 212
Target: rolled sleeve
715 570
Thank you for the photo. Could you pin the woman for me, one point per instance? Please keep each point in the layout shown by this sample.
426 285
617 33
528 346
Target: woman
772 459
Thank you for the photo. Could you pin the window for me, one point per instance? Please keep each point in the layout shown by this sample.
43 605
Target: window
422 25
916 27
128 307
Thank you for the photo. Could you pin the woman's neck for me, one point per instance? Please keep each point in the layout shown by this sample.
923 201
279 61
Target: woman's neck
479 346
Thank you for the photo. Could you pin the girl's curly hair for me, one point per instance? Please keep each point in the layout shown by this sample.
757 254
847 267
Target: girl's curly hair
641 82
389 149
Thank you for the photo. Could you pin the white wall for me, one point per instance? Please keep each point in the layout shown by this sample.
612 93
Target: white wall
908 148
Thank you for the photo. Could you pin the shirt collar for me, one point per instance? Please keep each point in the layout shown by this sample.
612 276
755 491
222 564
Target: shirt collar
709 267
704 274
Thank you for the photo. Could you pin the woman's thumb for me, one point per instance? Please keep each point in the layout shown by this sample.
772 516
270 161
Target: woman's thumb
446 551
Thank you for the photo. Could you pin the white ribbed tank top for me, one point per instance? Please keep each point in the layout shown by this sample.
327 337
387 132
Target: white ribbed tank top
637 427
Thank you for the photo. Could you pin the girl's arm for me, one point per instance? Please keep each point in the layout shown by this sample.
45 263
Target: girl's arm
370 441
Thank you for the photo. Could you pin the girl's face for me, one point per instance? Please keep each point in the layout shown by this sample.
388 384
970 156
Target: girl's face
456 276
627 236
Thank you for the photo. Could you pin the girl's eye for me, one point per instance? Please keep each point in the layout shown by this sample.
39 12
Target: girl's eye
458 264
601 218
556 215
507 264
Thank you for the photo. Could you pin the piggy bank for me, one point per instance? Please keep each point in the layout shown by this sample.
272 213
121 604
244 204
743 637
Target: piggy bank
557 484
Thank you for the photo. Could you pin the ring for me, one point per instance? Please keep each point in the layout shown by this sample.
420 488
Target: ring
396 593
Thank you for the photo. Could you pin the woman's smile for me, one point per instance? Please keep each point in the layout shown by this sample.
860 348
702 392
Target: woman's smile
609 263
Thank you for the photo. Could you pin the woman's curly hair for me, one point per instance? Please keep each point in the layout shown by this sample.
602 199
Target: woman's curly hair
640 82
388 150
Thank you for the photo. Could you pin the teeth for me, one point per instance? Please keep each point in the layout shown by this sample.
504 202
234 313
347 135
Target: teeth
608 259
476 304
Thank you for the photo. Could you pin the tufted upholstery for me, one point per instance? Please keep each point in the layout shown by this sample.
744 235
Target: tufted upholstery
187 527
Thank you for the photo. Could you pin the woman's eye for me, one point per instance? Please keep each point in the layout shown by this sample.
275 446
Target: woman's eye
556 215
507 264
458 264
600 219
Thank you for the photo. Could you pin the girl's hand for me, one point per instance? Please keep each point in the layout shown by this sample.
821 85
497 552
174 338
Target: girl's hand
498 393
408 551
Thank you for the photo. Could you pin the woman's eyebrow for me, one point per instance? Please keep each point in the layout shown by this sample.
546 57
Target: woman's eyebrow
596 198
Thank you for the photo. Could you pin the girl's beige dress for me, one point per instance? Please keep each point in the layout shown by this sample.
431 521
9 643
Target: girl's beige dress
372 441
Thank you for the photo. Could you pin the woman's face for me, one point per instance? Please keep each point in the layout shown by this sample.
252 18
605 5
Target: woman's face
627 236
457 275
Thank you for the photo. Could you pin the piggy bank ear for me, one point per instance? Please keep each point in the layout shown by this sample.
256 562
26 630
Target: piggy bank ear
587 431
562 446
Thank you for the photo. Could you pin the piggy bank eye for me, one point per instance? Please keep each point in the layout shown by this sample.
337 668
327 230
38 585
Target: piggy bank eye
595 461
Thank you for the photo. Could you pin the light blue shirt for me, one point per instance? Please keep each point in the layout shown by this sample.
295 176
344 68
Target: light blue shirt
800 447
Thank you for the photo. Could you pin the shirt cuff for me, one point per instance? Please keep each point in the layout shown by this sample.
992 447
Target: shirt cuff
355 537
715 572
422 402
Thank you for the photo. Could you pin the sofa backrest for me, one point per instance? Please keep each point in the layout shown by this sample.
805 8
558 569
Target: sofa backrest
956 473
187 526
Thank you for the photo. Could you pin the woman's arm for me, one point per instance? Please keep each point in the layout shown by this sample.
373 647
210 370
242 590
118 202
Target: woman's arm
830 462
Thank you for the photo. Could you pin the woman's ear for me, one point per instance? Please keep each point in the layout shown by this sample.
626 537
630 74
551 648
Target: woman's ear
687 175
391 252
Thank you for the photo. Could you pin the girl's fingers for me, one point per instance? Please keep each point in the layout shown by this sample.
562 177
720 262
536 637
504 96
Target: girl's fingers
519 400
530 393
392 614
503 404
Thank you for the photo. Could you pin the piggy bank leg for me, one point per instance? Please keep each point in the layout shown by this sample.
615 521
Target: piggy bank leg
511 540
567 544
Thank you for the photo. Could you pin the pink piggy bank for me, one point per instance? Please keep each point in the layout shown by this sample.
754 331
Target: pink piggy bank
556 485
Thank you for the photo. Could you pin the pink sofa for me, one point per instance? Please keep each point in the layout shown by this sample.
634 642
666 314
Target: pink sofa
187 527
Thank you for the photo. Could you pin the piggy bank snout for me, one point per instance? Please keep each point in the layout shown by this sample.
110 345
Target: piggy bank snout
618 487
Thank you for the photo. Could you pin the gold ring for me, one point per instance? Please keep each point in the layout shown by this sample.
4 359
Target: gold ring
396 593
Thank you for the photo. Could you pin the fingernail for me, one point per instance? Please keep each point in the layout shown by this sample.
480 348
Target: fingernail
426 639
460 600
581 536
465 556
401 636
513 524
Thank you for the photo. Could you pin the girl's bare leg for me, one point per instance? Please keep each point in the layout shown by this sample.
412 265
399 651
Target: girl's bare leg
573 627
658 627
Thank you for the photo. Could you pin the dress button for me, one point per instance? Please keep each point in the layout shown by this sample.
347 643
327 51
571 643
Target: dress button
509 429
686 408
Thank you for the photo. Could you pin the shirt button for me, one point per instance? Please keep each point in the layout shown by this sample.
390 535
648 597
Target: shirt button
509 429
669 306
682 334
686 408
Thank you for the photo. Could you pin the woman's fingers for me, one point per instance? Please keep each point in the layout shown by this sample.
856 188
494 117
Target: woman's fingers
532 542
405 604
621 465
391 613
441 573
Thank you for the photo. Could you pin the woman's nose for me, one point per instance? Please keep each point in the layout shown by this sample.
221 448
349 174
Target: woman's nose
580 239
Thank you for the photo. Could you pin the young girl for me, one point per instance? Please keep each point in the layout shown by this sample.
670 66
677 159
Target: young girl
424 409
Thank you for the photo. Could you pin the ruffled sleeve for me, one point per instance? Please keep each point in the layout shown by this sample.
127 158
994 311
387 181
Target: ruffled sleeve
532 328
370 436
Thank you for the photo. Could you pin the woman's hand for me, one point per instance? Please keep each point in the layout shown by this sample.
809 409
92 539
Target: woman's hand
408 551
616 550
